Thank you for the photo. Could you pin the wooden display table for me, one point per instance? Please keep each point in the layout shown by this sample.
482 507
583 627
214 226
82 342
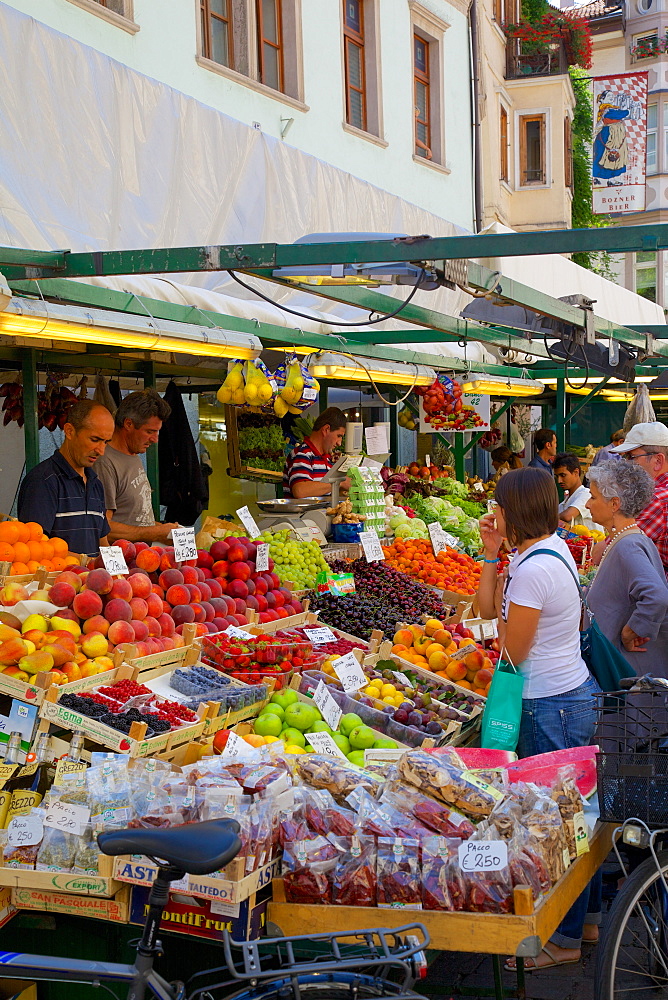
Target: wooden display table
483 933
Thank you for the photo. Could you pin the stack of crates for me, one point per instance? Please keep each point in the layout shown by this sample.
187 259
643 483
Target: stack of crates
367 495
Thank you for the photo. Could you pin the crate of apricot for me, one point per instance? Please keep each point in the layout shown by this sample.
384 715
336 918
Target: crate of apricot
249 657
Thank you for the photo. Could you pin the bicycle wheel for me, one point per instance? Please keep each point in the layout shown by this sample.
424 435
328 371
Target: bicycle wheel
632 959
327 986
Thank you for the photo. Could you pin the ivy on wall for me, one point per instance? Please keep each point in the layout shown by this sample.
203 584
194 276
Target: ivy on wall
582 214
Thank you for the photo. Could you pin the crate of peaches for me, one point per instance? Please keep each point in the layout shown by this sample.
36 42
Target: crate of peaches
450 652
250 658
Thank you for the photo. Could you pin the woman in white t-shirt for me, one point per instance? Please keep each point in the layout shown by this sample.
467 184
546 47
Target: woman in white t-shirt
539 603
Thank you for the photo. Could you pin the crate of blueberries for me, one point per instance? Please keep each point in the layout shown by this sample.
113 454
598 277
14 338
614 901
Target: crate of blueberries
237 700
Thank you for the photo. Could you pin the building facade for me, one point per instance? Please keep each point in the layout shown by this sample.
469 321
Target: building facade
525 108
630 35
380 89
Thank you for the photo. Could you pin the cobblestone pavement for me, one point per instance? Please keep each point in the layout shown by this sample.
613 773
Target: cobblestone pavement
453 971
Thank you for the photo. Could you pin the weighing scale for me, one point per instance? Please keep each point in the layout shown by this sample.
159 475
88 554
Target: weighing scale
306 517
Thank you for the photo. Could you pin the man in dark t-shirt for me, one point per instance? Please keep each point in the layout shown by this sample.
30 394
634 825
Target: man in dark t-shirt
63 493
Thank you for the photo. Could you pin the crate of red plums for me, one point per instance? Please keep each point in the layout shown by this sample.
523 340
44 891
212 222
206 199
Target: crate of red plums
249 658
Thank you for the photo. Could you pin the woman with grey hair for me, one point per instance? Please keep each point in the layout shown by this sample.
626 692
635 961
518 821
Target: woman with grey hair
628 596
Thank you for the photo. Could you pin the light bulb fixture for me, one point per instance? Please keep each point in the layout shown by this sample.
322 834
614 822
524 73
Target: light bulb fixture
32 318
338 366
491 385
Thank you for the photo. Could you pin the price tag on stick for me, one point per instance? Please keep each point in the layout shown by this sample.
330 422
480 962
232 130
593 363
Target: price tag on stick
323 743
67 817
349 672
237 749
113 559
248 522
262 558
441 539
184 544
483 855
373 550
329 710
402 678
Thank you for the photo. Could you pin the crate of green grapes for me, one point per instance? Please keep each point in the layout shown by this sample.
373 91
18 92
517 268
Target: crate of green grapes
295 561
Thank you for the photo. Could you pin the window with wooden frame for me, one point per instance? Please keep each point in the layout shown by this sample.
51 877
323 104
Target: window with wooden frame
217 34
503 143
422 96
354 58
269 43
568 152
533 154
498 11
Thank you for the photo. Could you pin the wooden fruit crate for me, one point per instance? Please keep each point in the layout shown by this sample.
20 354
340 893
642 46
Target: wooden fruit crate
233 885
184 656
135 744
102 884
385 653
115 908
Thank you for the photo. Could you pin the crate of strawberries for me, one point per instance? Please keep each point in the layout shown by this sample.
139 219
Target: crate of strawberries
253 657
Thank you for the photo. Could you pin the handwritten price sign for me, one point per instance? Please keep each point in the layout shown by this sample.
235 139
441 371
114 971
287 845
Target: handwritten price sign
323 743
66 817
349 672
329 710
373 550
184 544
262 558
483 856
25 830
113 559
248 522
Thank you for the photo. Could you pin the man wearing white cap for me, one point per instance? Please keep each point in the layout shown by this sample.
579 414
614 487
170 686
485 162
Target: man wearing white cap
647 446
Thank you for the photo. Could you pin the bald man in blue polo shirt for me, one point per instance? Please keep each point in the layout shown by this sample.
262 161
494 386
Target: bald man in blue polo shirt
63 493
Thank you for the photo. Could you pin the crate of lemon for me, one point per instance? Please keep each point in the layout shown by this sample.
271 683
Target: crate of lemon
290 716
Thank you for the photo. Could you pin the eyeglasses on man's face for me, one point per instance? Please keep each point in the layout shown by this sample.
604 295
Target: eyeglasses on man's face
642 454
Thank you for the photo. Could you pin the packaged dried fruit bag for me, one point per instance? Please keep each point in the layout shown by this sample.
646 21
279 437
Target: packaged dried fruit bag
383 819
398 873
543 822
308 866
109 794
337 776
442 778
436 853
354 876
324 815
434 815
487 891
290 817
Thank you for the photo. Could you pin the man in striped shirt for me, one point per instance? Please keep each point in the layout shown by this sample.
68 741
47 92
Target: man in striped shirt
306 464
63 493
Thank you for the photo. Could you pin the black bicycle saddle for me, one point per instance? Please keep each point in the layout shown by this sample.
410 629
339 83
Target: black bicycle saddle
196 848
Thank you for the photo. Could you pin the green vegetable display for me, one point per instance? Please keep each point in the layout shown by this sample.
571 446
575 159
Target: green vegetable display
261 441
452 519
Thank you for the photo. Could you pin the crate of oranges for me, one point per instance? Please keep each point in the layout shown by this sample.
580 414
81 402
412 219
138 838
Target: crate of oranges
25 551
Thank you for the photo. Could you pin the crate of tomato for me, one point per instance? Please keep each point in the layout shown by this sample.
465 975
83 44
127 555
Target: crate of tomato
254 657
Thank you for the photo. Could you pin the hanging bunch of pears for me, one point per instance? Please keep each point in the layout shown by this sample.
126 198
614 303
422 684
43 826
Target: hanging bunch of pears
248 383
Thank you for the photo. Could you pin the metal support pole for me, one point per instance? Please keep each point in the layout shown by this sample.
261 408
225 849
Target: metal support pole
30 428
574 410
152 462
458 449
394 432
560 415
324 394
495 416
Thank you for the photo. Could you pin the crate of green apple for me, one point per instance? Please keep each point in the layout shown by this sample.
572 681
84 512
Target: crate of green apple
290 716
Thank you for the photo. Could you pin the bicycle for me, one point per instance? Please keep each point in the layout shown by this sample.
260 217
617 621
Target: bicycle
632 955
269 967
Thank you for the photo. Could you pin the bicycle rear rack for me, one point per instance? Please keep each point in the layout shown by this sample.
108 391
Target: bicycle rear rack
348 950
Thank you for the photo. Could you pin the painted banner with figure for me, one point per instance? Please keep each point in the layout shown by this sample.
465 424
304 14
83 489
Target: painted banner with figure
620 138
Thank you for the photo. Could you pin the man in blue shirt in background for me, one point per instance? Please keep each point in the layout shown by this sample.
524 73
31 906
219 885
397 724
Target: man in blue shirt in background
545 446
63 493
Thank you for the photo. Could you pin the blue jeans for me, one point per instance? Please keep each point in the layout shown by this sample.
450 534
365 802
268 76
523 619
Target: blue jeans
557 723
560 722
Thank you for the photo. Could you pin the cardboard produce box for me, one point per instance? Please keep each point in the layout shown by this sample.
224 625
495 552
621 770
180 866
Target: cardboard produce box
207 918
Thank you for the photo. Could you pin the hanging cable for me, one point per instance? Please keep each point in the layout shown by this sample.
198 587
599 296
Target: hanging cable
328 321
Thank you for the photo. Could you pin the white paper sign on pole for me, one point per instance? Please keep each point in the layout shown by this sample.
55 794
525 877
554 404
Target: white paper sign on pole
441 539
329 710
373 550
248 522
349 672
402 678
262 558
236 749
319 636
113 559
323 743
483 855
376 440
70 818
184 544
